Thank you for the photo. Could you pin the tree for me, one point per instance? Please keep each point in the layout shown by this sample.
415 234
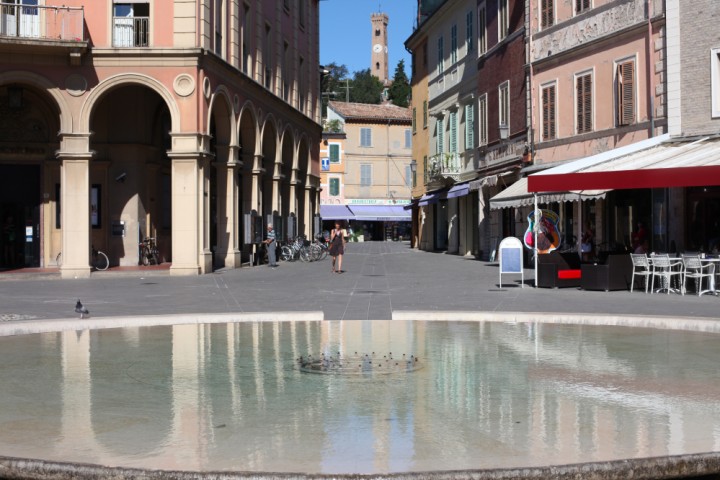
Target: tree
365 88
400 89
333 84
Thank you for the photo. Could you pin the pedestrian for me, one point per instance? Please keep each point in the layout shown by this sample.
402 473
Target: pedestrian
337 247
271 246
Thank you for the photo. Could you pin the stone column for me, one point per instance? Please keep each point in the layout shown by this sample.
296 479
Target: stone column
307 212
228 208
186 213
256 195
277 183
205 257
75 212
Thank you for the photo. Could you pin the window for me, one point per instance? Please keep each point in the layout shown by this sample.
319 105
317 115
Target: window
583 94
503 19
408 176
425 171
440 134
365 175
267 57
453 131
408 138
581 6
334 187
301 85
245 35
469 127
547 13
715 82
131 24
482 120
425 113
625 79
469 31
414 120
549 131
286 72
453 45
482 30
219 26
504 104
334 150
366 137
301 14
440 54
377 32
424 51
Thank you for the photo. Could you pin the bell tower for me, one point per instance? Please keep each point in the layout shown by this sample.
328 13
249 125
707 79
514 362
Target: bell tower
379 57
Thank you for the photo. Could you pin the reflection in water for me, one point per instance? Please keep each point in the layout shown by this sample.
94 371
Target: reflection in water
231 397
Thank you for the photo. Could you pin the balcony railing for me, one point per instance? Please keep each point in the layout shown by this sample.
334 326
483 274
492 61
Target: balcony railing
131 31
444 165
42 22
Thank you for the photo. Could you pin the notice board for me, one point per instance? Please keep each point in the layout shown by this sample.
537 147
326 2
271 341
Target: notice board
511 258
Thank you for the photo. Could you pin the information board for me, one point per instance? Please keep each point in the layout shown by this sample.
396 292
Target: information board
511 258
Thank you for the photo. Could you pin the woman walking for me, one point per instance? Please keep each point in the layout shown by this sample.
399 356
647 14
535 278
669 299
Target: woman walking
337 247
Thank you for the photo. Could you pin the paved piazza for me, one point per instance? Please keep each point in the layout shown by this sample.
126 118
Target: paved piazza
381 278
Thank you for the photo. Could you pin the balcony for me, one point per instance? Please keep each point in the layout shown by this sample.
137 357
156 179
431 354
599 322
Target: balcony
25 22
131 31
444 166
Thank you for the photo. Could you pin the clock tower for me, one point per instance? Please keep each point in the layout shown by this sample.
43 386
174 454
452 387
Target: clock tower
379 57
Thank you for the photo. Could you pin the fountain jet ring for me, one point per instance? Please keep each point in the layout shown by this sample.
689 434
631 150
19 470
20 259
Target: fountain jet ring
359 364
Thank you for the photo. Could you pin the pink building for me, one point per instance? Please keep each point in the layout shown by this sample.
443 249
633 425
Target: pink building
173 119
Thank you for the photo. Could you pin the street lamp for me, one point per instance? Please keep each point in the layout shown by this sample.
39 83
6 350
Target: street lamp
413 169
504 131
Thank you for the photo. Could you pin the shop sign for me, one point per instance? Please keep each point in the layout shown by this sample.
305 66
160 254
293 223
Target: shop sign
376 201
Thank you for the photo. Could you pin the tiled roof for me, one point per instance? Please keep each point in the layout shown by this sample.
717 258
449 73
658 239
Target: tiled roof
371 112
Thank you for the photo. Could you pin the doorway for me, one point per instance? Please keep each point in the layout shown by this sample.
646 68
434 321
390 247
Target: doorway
20 216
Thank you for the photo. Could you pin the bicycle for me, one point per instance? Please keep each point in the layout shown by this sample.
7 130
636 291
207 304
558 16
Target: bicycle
149 253
98 259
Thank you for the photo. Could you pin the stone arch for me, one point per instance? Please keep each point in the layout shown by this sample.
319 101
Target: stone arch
222 93
125 79
269 147
42 83
248 110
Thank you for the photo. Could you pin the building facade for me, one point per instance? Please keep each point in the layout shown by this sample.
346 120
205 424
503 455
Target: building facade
372 175
444 67
171 119
598 83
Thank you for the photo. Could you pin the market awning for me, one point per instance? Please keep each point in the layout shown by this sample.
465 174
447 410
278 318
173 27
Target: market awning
381 213
517 195
336 212
660 162
430 198
458 191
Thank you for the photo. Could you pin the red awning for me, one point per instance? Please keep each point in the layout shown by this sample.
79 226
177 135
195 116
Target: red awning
659 162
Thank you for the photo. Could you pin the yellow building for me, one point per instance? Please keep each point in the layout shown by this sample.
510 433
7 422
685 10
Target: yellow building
372 171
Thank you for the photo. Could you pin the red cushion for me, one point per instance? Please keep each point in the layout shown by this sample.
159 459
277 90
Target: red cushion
568 274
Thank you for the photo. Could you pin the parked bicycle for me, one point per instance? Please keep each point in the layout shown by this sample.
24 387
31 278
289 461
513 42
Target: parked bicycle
98 259
149 253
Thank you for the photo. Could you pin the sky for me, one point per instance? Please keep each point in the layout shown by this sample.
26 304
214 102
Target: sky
345 31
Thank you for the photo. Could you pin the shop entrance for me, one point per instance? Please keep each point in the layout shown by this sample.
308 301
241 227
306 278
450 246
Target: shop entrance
19 216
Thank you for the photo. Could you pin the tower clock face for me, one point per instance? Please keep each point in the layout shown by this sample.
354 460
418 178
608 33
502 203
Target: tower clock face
377 48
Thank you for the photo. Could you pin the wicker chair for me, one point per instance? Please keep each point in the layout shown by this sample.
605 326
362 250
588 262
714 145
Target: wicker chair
694 269
641 268
665 269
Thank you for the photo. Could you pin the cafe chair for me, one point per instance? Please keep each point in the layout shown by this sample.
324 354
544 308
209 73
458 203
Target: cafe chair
665 269
694 269
641 268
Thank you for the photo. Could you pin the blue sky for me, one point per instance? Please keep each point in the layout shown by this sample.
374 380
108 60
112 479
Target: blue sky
345 31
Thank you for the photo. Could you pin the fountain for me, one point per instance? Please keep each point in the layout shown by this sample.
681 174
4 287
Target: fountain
481 399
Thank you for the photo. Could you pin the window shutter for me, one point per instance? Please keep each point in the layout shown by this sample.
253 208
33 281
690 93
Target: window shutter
414 120
334 153
626 93
469 127
440 136
453 132
584 103
425 171
334 187
546 14
548 112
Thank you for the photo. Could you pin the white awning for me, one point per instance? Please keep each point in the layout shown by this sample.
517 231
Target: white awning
517 195
660 162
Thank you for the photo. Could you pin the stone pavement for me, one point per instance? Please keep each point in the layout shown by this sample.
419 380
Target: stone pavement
380 278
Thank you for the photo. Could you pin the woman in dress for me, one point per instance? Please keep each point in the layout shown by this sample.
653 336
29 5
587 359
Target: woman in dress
337 247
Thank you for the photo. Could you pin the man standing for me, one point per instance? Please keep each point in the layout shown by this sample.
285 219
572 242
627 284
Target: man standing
271 246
